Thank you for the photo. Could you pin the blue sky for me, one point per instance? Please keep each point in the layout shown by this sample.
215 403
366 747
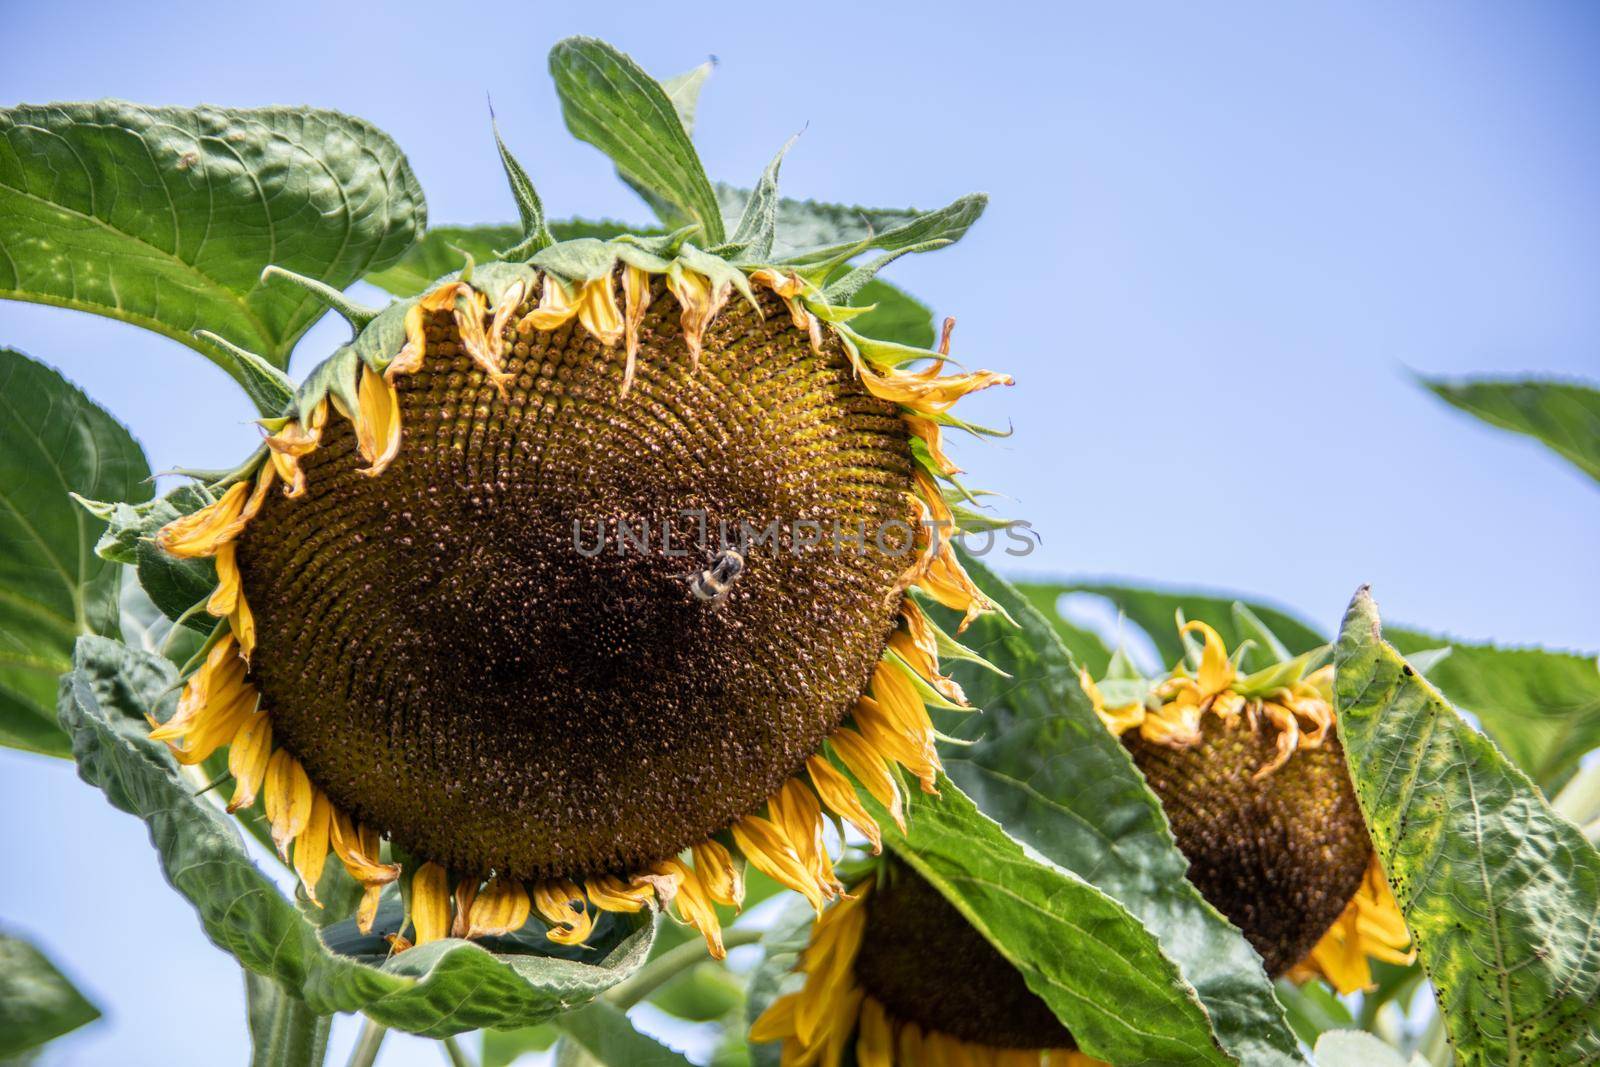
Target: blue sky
1219 238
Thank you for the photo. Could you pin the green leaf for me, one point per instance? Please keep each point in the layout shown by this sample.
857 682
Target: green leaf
440 251
1541 707
808 224
54 441
1313 1008
502 1047
896 316
1563 415
607 1038
609 101
1096 966
947 224
1500 893
1153 610
1042 764
164 217
704 992
37 1002
436 990
1353 1048
284 1031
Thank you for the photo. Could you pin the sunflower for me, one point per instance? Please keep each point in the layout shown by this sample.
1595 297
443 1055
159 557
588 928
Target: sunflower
868 986
478 629
1251 773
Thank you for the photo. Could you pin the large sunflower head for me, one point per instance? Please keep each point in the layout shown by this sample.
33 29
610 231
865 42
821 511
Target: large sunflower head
895 973
576 579
1249 769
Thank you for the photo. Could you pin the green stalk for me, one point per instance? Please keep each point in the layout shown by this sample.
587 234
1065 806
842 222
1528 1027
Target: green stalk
458 1058
284 1031
667 966
367 1045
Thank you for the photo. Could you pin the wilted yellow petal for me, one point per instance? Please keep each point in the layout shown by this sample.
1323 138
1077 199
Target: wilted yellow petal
869 768
840 797
718 873
771 853
562 905
378 427
311 847
598 311
777 1022
1216 673
502 907
693 905
247 759
430 903
202 532
360 852
636 301
288 799
610 893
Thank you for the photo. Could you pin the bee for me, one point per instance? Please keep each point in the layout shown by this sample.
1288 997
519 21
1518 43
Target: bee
712 585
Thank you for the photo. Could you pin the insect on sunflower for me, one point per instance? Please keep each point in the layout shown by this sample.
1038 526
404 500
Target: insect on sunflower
1251 774
868 988
476 589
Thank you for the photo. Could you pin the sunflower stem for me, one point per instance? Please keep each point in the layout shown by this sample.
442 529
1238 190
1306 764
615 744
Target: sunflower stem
368 1043
671 963
284 1031
458 1058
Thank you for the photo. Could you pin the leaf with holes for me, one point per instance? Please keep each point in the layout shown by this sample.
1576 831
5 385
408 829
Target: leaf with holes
1501 893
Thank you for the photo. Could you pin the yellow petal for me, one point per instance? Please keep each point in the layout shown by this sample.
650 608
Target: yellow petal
247 759
1216 673
598 311
557 305
693 905
378 428
875 1041
610 893
288 799
242 623
636 302
777 1022
930 433
360 852
311 847
502 907
430 903
840 797
796 812
202 532
562 905
869 768
771 853
718 873
466 894
226 595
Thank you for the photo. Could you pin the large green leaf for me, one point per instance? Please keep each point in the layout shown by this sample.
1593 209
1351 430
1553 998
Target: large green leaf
1096 966
1564 415
436 990
1042 764
54 441
609 101
600 1035
1541 707
37 1002
1501 894
165 216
